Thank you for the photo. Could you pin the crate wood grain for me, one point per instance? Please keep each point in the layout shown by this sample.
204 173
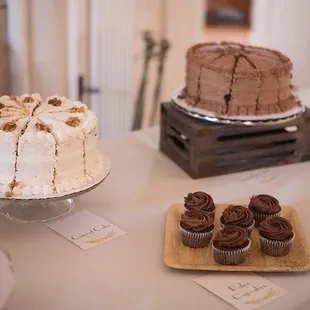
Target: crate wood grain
204 149
178 256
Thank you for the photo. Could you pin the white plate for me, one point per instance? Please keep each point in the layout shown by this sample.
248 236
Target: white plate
245 120
6 277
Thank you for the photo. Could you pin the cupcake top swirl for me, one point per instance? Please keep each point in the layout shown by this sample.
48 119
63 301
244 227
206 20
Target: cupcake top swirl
197 221
231 238
264 204
237 215
276 228
199 201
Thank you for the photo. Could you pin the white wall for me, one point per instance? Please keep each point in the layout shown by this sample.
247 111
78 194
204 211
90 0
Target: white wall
284 25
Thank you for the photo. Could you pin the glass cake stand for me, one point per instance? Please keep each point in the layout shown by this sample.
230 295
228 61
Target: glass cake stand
37 209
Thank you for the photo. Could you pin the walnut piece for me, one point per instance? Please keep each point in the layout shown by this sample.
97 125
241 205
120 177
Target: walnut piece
73 121
8 194
13 184
42 127
55 102
9 126
28 99
77 110
1 105
14 98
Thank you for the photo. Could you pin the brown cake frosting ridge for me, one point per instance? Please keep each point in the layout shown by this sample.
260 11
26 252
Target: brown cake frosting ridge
233 79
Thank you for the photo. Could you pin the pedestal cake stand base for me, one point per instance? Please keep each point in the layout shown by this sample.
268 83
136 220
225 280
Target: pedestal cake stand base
35 211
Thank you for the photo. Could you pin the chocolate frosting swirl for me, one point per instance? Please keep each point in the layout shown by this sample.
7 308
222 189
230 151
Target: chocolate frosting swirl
199 201
276 228
264 204
231 238
197 221
238 216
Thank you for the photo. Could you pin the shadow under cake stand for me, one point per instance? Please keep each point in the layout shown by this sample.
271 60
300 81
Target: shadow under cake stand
46 208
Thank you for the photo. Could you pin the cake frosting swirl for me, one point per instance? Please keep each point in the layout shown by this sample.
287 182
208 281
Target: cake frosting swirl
276 228
199 201
264 204
196 221
237 215
231 238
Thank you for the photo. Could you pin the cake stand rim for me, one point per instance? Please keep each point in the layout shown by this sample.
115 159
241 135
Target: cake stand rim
230 120
104 173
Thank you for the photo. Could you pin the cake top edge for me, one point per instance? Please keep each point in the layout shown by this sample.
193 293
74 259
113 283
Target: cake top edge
222 55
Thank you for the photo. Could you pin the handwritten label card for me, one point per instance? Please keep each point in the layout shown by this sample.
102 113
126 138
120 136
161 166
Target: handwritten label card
86 229
243 291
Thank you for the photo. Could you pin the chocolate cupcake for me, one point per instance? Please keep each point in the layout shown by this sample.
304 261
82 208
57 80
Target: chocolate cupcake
199 201
231 245
238 216
276 236
264 206
196 228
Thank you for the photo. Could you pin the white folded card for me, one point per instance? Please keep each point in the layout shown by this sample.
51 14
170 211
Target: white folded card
85 229
243 291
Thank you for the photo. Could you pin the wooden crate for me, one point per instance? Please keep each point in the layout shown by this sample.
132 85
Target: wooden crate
203 148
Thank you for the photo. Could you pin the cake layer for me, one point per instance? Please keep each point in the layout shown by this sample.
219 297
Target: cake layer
233 79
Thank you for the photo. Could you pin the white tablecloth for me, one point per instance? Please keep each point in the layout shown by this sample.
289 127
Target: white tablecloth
128 273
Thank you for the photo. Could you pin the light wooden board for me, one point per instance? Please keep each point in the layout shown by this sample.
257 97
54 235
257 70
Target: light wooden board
176 255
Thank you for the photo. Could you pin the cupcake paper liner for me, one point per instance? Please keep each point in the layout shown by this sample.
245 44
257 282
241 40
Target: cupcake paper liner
248 229
195 240
258 217
276 248
231 257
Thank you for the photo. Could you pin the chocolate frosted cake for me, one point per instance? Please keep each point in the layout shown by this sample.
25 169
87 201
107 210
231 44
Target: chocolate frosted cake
196 228
263 207
237 216
199 201
230 245
231 79
276 236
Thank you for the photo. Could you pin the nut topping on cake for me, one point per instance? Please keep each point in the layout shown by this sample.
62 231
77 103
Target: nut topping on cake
73 121
28 99
9 126
77 110
55 102
8 194
42 127
1 105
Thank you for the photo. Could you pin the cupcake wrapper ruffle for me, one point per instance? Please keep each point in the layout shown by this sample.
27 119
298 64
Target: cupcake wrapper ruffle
195 240
234 257
258 218
248 229
275 248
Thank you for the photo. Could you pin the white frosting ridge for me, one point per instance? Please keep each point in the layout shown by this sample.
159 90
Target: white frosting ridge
36 157
8 147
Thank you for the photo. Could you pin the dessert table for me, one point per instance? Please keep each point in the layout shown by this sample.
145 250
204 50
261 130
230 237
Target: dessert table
52 273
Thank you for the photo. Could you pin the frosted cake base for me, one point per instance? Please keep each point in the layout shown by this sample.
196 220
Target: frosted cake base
237 119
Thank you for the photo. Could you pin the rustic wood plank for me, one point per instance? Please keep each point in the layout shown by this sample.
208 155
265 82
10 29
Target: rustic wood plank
205 149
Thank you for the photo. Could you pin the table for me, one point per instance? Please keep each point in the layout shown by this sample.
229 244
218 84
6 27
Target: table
129 272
